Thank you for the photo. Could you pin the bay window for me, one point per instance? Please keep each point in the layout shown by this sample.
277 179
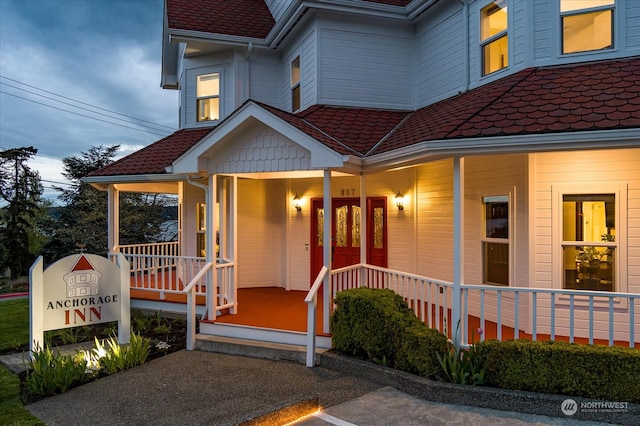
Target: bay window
493 36
586 25
208 97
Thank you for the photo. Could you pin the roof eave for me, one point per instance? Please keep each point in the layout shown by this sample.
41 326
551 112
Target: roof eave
443 148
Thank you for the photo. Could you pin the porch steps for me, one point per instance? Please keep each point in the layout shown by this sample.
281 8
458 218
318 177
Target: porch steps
252 348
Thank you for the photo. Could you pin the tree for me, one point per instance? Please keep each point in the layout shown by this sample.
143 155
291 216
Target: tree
21 190
81 223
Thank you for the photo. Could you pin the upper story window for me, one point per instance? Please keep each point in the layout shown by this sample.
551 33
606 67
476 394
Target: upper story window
495 242
493 36
295 84
208 97
586 25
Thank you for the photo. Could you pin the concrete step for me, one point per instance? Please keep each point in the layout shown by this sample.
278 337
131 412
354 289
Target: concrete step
252 348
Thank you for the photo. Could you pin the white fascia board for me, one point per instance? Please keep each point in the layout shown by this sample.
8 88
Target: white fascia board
185 36
169 73
130 179
321 155
437 149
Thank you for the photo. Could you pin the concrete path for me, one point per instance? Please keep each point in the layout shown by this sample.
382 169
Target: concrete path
203 388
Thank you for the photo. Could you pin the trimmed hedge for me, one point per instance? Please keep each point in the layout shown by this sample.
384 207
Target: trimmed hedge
590 371
377 324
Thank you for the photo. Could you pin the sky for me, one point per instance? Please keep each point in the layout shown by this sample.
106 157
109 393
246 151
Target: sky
76 74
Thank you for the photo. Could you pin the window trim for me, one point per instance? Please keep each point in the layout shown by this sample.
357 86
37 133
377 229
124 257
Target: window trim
510 240
203 72
482 43
615 21
619 189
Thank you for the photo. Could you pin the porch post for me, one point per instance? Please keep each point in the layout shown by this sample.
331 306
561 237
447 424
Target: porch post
363 229
113 219
458 245
327 252
233 241
212 274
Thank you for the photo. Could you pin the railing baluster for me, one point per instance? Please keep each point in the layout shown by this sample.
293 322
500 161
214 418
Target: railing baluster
632 304
534 331
553 316
610 322
499 322
465 317
571 318
591 320
482 323
516 325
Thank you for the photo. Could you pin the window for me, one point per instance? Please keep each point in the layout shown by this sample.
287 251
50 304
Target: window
201 231
295 84
493 35
495 242
586 25
208 97
589 241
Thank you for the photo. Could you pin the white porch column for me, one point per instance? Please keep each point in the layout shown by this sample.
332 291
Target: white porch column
233 245
363 226
327 252
458 244
212 275
113 219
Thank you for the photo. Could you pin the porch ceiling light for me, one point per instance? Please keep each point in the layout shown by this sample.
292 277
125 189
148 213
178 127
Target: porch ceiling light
297 202
400 201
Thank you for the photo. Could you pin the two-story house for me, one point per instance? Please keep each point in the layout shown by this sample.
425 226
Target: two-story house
480 157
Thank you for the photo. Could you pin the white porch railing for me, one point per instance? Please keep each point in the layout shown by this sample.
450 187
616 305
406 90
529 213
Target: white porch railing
552 312
158 268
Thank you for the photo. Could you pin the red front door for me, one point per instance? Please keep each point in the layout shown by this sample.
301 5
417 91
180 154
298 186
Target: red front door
345 233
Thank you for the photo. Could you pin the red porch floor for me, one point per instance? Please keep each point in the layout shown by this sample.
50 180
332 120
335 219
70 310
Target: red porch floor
277 308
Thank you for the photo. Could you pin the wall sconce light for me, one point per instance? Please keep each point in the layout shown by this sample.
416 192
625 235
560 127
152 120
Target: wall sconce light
297 202
400 201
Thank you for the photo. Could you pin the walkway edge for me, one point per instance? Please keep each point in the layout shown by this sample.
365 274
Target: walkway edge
476 396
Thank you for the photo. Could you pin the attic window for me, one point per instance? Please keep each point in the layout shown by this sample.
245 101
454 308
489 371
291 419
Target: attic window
493 36
208 97
586 25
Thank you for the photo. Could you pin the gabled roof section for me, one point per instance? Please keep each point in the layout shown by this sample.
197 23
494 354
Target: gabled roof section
154 158
349 131
244 18
570 98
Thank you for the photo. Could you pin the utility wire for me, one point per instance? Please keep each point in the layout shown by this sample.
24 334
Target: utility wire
75 106
80 102
86 116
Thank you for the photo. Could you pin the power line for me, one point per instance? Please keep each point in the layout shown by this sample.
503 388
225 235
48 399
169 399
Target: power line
80 102
86 116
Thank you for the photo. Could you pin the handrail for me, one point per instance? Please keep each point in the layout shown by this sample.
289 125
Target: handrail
312 304
191 305
316 285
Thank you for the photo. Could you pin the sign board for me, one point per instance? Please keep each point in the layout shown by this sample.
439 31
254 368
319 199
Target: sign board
81 289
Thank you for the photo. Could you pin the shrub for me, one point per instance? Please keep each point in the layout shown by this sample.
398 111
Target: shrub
51 373
420 349
370 322
590 371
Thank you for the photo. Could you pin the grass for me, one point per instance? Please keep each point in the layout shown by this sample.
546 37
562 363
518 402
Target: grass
14 333
14 324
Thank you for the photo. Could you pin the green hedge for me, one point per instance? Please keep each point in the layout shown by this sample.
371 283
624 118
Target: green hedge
378 325
590 371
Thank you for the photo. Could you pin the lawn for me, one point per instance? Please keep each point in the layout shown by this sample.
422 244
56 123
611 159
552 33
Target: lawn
14 333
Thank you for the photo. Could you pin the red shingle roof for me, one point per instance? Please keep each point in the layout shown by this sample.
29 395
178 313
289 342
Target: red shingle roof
153 158
590 96
245 18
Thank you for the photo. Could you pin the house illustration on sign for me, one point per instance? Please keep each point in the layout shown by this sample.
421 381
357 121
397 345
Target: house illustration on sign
83 279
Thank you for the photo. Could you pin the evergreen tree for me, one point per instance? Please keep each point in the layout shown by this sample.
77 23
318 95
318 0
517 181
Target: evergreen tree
81 223
21 190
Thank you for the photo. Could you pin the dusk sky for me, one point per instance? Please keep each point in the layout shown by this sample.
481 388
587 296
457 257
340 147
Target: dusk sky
67 67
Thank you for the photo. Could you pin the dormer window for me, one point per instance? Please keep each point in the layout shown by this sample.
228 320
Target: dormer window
493 35
295 84
586 25
208 97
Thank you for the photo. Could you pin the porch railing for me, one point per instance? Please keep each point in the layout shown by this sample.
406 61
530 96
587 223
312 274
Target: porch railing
550 312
